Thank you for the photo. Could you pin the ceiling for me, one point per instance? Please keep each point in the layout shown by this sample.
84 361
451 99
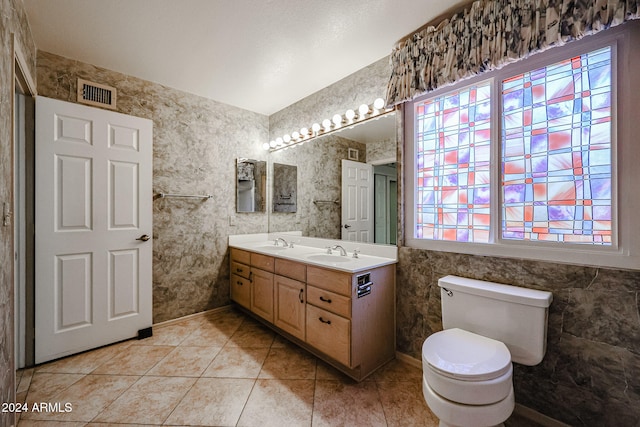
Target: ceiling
257 55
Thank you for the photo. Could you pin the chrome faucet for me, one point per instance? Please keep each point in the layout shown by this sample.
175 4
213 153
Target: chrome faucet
284 242
342 251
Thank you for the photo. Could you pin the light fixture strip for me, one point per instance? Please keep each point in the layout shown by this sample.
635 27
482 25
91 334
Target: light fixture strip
337 123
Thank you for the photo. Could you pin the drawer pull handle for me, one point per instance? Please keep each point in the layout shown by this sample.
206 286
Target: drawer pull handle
300 296
239 270
239 283
328 322
327 300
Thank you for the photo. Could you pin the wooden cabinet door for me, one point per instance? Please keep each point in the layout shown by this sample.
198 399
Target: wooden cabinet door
290 306
262 293
241 290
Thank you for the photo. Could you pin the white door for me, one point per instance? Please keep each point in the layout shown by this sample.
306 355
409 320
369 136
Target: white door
93 207
357 201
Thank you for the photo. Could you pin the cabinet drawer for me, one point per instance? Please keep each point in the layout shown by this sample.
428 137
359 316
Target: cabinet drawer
241 290
330 280
238 255
329 333
241 270
328 300
262 262
292 269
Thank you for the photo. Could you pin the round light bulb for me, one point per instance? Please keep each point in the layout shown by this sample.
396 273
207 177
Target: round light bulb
295 135
315 128
326 124
337 119
273 144
378 104
350 114
363 110
304 132
279 141
266 145
287 138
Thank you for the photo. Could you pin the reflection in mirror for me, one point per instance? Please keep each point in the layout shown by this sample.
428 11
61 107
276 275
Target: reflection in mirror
251 185
319 162
285 188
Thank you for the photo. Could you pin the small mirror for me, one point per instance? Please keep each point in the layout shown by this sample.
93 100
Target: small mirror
285 188
251 185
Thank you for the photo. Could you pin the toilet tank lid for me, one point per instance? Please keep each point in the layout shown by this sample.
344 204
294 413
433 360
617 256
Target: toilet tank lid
497 291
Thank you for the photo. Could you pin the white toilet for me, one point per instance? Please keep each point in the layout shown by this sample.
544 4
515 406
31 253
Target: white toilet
467 371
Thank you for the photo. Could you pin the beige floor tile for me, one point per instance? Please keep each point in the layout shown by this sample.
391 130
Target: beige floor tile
236 362
85 363
397 370
339 404
185 362
206 337
289 363
172 334
252 334
148 401
45 385
404 404
279 403
134 360
23 380
36 423
212 402
88 397
324 371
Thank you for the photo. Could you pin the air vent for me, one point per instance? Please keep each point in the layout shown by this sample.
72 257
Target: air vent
96 94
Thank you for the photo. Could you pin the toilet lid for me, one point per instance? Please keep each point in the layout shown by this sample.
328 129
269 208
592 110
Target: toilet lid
466 356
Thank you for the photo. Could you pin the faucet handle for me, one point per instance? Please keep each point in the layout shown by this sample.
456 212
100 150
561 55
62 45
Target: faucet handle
355 253
328 248
275 242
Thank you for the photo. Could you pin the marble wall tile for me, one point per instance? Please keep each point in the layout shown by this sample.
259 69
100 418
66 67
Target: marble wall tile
13 24
196 142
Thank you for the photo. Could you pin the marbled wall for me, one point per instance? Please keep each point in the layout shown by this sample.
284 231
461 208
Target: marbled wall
319 165
196 142
13 22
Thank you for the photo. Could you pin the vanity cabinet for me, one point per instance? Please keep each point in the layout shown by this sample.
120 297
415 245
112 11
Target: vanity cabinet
346 319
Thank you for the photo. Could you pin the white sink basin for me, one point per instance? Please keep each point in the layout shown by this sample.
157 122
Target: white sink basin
328 258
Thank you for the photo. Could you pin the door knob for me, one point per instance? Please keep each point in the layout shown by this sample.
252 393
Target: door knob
144 238
347 226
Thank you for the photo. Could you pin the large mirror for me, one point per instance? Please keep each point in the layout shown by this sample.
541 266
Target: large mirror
323 204
251 185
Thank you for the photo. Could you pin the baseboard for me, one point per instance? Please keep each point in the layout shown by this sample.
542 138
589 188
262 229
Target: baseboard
520 410
192 316
536 417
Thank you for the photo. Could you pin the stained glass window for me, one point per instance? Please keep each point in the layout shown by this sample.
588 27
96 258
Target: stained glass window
556 152
453 136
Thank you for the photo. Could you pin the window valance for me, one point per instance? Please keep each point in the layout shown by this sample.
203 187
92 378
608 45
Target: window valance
492 33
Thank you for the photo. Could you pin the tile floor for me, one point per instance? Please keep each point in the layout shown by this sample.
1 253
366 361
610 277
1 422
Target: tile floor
220 369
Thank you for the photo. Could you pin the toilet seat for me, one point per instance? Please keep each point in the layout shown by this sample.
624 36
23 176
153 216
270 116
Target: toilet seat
466 356
467 368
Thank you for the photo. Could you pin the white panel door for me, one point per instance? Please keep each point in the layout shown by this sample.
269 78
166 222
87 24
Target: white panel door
357 201
93 222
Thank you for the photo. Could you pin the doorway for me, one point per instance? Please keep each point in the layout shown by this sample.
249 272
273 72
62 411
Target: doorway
386 203
23 107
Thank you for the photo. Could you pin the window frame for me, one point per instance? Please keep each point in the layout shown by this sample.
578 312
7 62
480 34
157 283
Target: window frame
623 251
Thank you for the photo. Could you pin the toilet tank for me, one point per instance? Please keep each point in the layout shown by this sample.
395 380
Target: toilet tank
511 314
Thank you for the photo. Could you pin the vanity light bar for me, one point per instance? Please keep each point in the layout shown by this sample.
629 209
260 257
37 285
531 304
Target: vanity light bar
337 123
